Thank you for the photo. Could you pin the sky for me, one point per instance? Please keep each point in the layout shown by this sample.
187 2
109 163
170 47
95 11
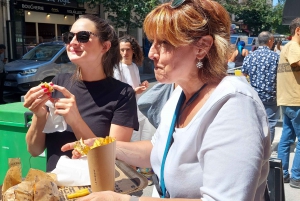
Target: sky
275 2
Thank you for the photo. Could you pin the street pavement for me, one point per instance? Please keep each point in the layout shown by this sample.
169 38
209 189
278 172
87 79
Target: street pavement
291 194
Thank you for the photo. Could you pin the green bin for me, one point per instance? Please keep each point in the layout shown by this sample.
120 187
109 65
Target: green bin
14 122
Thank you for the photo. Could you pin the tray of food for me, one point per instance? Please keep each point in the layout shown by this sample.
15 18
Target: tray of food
38 185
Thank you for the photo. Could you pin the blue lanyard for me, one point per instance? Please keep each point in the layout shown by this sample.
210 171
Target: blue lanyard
168 144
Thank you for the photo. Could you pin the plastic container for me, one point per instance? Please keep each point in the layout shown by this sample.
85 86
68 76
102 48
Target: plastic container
14 122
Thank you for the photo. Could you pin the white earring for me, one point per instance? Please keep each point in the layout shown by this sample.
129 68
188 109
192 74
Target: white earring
199 64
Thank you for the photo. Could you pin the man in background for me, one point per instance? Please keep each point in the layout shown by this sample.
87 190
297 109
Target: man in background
288 97
261 66
2 74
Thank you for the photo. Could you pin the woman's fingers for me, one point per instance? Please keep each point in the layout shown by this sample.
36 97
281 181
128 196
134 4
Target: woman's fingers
68 146
146 83
38 102
76 154
34 94
64 102
63 90
32 90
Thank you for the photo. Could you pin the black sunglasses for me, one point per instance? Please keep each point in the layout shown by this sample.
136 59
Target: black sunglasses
81 36
177 3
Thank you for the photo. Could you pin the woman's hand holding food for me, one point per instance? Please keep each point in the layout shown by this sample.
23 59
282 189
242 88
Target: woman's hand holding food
67 106
105 195
36 98
71 145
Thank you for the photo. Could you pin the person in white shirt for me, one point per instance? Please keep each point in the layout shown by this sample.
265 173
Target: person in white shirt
128 72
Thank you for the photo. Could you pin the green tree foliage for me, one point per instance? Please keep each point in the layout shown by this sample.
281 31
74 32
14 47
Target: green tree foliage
257 15
126 14
276 19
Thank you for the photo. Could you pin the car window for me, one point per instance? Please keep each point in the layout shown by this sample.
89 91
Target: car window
43 52
233 40
63 58
250 41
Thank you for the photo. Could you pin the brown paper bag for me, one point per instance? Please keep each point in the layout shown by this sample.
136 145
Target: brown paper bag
101 161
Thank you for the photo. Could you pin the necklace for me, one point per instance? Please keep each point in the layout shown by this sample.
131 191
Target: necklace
190 101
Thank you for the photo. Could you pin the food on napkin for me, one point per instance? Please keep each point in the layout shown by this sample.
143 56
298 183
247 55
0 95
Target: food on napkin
38 175
21 191
43 190
37 186
83 149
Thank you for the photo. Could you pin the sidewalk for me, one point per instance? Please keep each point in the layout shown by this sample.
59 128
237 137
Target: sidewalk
291 194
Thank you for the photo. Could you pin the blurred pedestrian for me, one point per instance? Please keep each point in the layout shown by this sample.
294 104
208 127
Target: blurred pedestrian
128 72
277 48
288 97
239 54
231 52
2 73
261 66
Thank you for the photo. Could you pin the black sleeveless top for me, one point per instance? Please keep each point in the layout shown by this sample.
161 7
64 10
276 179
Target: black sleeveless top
239 60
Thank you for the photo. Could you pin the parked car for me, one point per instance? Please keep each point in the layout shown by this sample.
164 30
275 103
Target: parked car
284 42
234 39
40 64
252 41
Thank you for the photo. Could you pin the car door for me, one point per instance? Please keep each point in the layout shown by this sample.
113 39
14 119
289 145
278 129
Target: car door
66 66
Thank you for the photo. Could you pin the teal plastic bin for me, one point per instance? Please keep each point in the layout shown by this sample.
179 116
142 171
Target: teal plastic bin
14 122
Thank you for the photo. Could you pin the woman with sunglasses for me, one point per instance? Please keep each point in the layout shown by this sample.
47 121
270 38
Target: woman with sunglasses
213 141
92 102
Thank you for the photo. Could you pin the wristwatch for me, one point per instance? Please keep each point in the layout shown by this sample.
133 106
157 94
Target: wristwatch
134 198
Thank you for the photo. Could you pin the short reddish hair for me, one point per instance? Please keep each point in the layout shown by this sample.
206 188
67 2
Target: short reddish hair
188 23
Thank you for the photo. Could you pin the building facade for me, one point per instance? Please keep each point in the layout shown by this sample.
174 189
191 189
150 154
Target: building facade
35 21
27 23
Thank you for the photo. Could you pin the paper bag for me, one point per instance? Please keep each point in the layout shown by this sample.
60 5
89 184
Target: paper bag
101 162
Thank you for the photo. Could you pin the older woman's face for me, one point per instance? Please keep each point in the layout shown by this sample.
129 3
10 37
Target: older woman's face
172 64
84 53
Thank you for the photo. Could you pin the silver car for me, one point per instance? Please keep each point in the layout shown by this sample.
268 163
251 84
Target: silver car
40 64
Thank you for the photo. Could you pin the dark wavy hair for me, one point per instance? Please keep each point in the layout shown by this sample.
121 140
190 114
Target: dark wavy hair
138 56
105 32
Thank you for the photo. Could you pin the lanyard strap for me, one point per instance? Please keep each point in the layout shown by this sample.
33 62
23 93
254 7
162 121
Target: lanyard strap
168 144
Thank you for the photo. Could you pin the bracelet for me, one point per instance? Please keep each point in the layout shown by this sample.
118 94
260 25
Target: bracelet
134 198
